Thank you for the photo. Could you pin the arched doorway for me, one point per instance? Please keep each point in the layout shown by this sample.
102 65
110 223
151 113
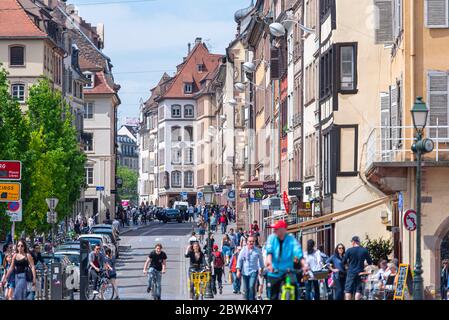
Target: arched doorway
438 244
444 248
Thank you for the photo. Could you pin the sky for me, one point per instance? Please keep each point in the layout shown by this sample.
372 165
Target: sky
146 38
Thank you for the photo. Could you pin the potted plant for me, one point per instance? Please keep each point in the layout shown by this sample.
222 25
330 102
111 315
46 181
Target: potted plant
379 249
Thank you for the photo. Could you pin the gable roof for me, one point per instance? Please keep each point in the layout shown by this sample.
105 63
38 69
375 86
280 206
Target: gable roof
15 22
188 72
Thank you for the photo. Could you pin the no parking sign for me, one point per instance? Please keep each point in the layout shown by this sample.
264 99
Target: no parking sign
15 211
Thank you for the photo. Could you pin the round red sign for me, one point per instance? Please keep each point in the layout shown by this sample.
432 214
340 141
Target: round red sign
410 220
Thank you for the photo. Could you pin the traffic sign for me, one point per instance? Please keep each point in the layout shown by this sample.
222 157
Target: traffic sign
184 195
199 194
100 188
410 220
400 201
14 211
52 203
231 195
10 170
10 191
52 217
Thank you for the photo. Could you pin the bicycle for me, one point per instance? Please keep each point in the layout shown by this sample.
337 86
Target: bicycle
153 276
106 290
288 290
199 279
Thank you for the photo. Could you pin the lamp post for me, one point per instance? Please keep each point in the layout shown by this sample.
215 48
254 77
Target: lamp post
420 147
208 193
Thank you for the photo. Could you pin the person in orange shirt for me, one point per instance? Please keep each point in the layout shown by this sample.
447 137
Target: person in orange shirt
233 268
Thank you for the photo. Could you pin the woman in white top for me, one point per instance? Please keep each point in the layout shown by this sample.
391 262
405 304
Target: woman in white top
315 263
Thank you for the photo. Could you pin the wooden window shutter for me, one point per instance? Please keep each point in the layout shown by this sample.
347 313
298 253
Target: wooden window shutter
437 88
394 114
385 123
436 13
385 19
275 63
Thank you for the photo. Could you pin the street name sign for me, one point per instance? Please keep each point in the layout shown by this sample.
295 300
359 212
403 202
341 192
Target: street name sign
10 191
10 170
100 188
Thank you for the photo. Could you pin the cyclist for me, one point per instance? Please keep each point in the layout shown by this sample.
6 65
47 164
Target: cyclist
197 262
157 261
355 257
96 264
282 248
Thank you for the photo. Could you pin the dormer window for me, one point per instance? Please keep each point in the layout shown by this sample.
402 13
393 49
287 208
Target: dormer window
201 67
91 78
188 87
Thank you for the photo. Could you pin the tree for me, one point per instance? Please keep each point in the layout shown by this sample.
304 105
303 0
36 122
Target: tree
44 139
379 249
129 188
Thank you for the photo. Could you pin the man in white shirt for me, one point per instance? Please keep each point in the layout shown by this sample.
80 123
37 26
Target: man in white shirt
90 222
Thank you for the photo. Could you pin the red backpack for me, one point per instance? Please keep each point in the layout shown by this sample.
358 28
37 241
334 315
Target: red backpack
218 259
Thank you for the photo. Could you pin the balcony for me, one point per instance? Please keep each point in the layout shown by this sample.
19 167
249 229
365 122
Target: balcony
389 155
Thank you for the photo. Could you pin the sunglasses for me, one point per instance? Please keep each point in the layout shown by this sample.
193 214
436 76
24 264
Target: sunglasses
20 246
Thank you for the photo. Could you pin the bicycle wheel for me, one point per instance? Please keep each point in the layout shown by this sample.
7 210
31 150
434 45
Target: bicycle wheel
90 291
153 288
107 290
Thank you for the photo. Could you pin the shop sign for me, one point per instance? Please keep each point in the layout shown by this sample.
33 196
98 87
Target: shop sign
270 187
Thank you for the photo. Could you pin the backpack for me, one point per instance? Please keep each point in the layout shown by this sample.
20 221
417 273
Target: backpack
218 260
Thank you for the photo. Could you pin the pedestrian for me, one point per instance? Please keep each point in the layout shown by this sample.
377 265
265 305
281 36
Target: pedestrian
444 279
191 211
90 223
233 269
213 222
355 257
239 235
23 266
201 228
244 239
223 222
218 264
233 237
249 265
314 261
226 248
338 271
210 241
10 281
108 216
111 271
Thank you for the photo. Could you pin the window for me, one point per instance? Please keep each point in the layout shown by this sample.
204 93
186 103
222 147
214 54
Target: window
325 8
176 111
176 156
311 14
89 110
436 13
188 111
188 87
330 152
188 133
326 74
161 113
189 156
188 179
347 64
176 134
91 78
90 176
389 20
88 141
438 103
176 179
161 157
17 56
200 67
18 92
309 155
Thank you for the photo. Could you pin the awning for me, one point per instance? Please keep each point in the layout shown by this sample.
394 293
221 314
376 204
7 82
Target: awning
337 216
253 184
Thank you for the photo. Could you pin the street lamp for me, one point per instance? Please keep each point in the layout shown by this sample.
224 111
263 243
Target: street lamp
278 30
420 147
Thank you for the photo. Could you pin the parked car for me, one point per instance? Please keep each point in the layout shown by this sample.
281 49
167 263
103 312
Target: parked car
172 214
72 255
114 238
94 240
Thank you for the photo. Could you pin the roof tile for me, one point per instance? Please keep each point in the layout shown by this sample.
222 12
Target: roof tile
15 22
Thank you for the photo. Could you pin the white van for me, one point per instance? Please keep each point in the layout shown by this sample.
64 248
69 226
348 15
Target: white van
181 205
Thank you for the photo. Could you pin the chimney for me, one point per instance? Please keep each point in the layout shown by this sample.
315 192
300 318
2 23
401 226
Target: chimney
100 32
198 40
50 3
189 47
